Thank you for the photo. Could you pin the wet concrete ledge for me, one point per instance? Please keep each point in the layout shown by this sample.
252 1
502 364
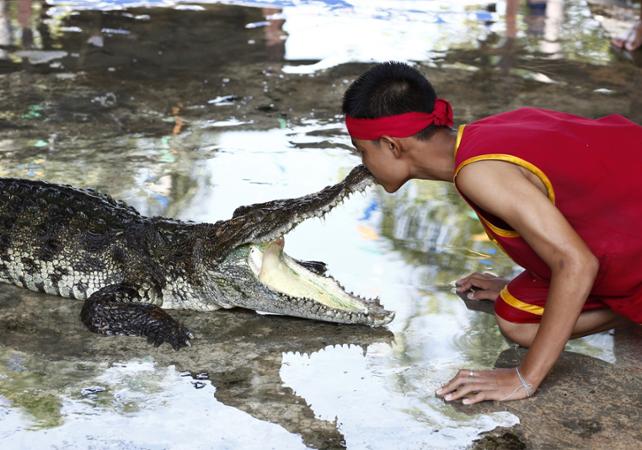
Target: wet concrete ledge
583 403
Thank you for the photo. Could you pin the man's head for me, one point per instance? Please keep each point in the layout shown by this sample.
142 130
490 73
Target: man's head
401 98
389 89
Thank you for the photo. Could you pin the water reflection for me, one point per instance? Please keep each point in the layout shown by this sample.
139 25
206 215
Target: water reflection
327 385
139 43
543 21
239 354
161 42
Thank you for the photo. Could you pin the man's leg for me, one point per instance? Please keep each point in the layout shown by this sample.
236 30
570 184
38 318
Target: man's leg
589 322
520 303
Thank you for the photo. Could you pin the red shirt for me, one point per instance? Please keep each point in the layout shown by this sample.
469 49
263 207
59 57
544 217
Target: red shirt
592 170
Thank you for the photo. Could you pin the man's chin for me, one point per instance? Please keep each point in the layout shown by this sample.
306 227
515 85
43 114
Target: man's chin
392 188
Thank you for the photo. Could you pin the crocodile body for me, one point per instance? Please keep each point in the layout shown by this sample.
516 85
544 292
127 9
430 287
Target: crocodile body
73 242
82 244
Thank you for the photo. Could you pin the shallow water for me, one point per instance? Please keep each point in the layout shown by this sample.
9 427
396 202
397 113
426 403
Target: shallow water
190 109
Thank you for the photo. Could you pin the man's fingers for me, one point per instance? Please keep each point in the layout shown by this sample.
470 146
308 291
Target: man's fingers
489 289
466 389
482 295
476 398
484 283
477 279
463 280
478 275
453 384
463 376
464 286
473 280
449 387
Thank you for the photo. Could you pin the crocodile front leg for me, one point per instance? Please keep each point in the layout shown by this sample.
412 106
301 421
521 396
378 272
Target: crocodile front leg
116 310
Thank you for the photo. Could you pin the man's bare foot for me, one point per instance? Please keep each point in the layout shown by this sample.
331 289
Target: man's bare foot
632 40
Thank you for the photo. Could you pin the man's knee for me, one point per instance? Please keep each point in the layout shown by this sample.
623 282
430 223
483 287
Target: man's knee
520 333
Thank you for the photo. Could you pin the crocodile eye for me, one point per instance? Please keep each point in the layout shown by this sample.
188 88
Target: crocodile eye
96 226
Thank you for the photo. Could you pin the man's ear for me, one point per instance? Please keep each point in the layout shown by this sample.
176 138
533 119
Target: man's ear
392 144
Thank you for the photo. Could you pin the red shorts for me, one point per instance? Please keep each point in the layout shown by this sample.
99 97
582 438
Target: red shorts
524 298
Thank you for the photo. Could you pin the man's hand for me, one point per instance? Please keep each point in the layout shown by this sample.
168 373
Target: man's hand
474 386
480 286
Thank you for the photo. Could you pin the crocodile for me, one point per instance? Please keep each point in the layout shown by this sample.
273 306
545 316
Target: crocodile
129 268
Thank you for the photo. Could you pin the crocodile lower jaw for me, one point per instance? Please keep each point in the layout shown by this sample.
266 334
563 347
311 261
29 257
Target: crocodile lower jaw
321 295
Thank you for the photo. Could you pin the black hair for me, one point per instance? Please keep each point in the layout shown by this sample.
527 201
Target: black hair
387 89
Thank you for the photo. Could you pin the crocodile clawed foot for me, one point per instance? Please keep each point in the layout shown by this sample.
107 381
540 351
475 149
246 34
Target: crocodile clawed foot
166 329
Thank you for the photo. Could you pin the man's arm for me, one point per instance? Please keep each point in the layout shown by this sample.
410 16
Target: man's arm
503 190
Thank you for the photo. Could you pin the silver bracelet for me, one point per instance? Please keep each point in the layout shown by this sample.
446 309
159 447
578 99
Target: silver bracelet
530 390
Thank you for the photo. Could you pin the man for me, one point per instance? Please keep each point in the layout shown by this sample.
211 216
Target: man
560 194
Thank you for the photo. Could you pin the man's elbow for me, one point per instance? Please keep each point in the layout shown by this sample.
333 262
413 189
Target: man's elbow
584 265
587 267
592 265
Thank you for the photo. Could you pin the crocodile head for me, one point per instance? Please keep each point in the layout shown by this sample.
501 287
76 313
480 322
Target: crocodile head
254 272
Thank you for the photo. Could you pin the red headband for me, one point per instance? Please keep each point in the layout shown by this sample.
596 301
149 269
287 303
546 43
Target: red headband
400 125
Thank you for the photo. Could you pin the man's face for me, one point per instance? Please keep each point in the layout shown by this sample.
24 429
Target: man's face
379 158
